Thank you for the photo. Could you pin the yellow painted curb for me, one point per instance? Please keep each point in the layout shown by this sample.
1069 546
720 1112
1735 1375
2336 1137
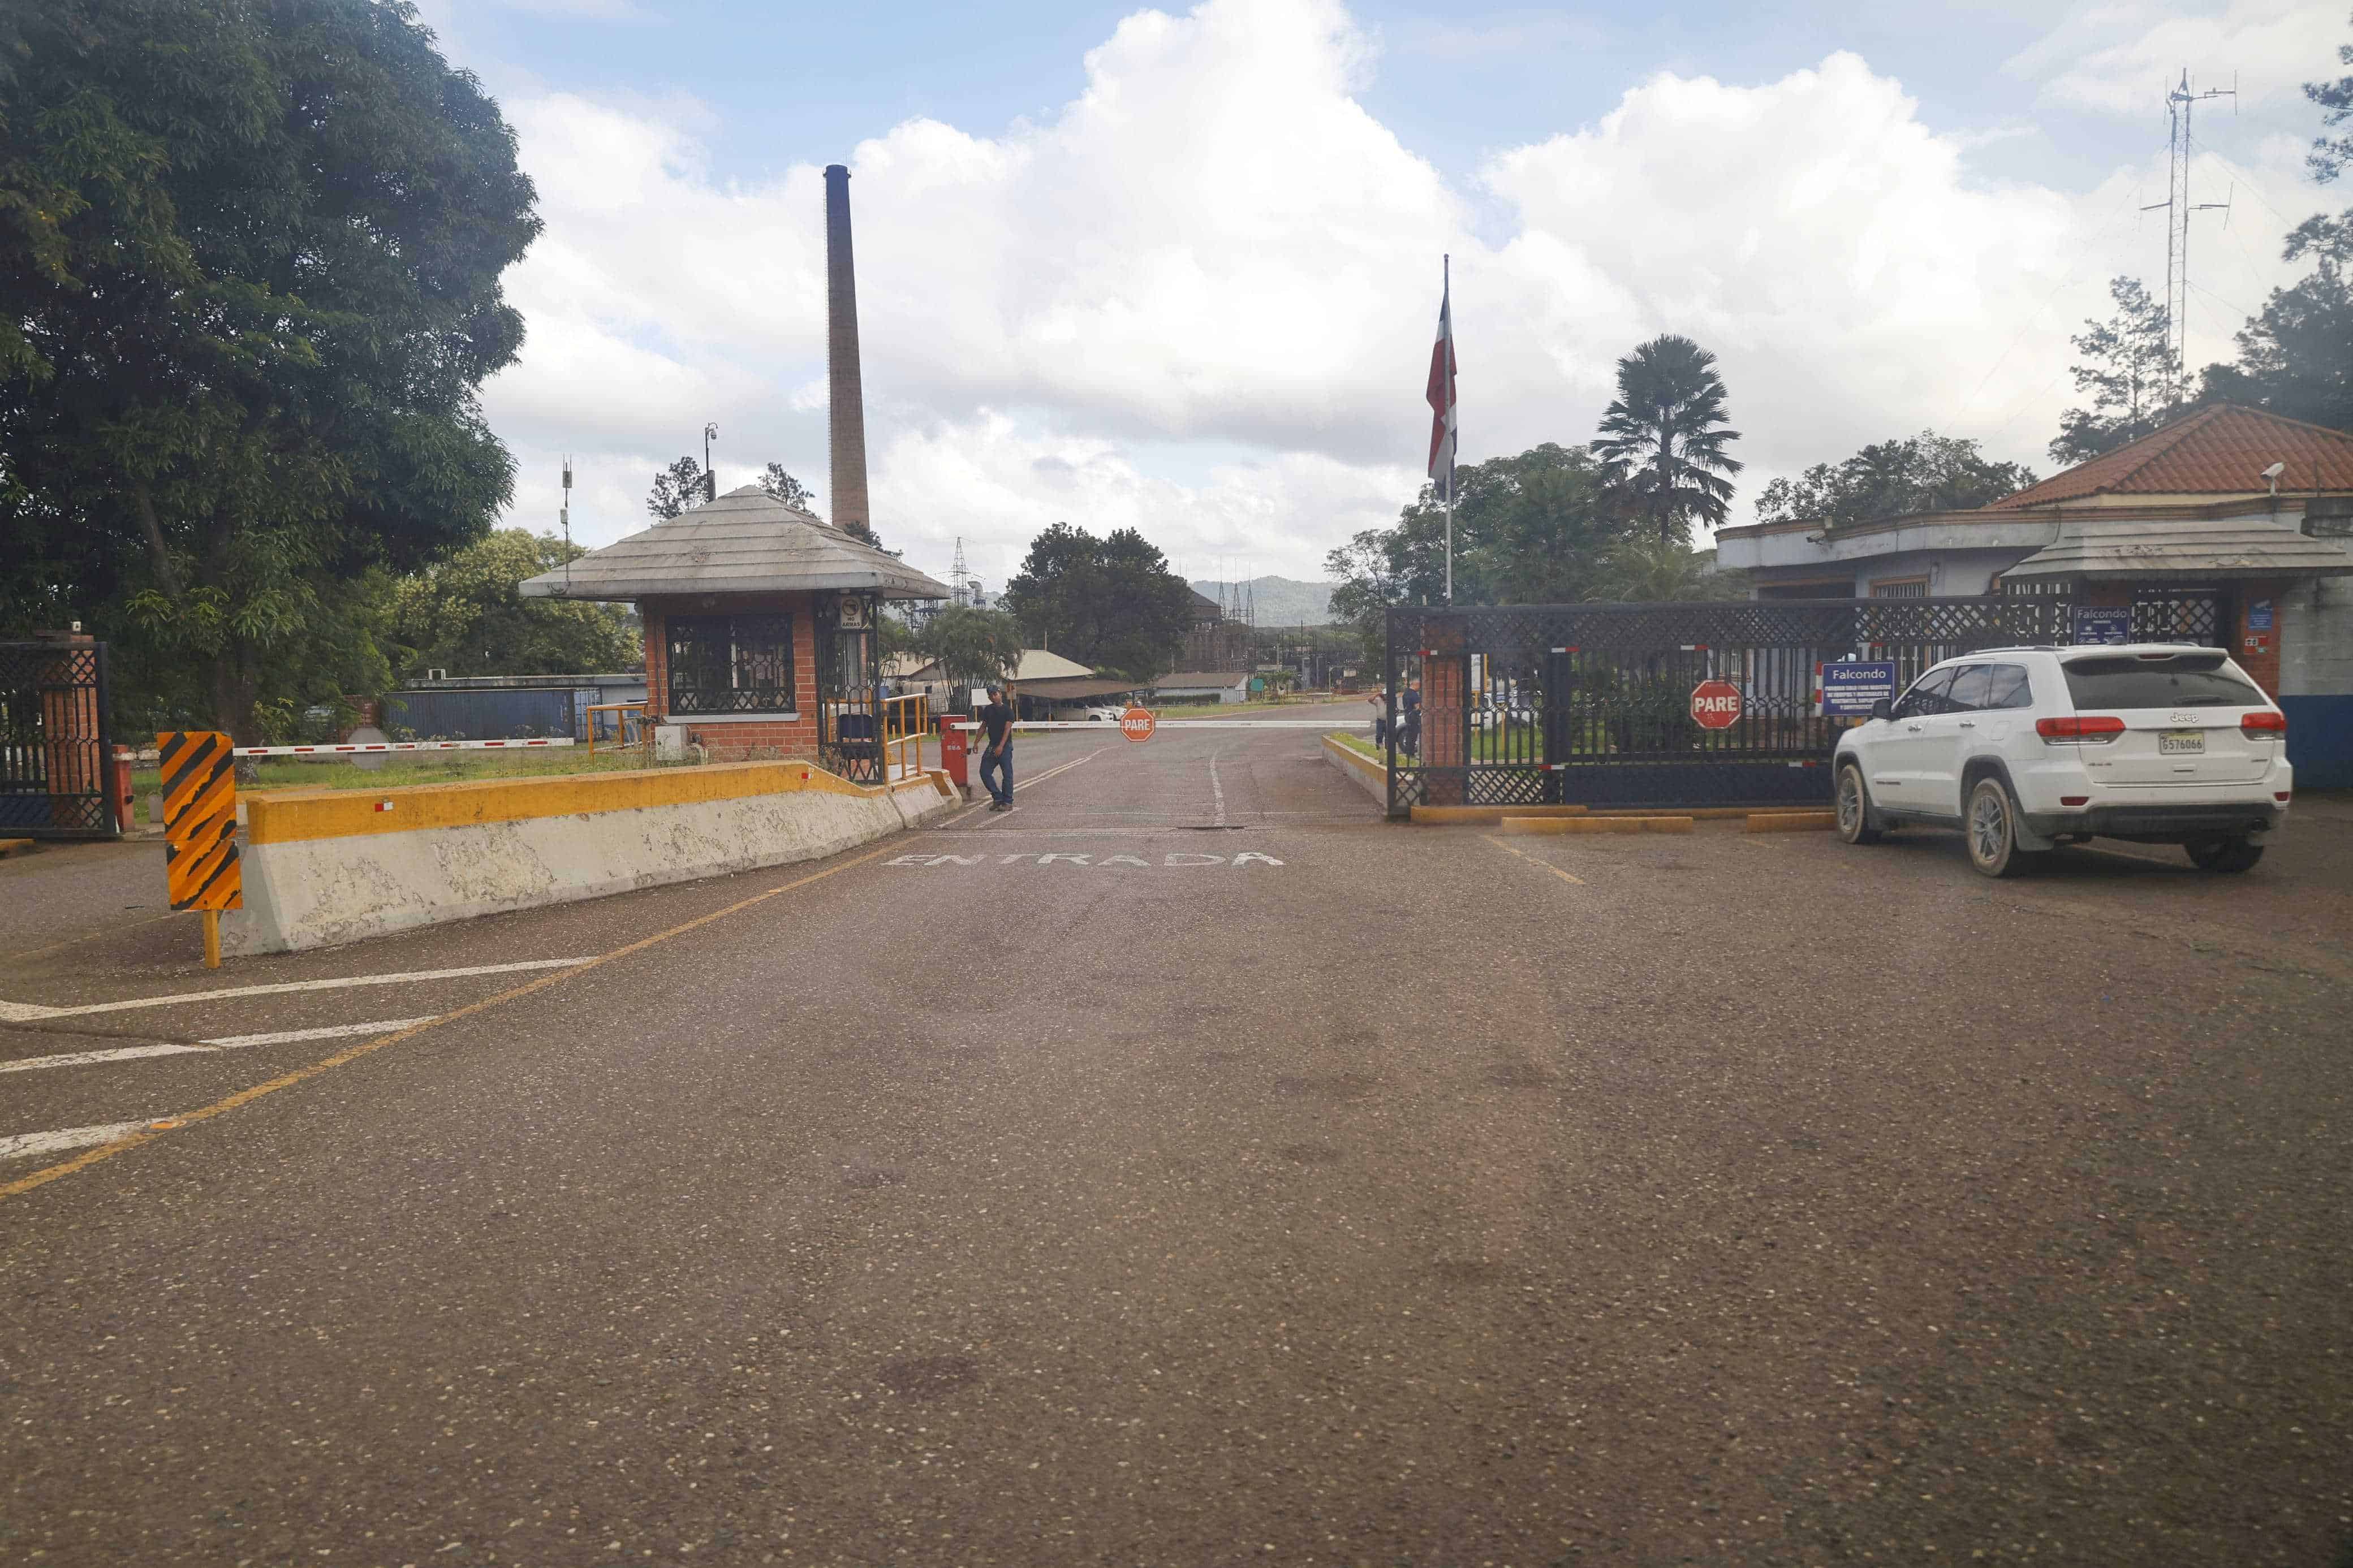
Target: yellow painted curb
1492 813
1356 758
1597 825
282 818
1791 821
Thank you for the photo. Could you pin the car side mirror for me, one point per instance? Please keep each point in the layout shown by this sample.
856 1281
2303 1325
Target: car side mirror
1882 709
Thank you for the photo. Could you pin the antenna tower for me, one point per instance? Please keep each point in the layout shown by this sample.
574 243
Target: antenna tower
962 583
2180 103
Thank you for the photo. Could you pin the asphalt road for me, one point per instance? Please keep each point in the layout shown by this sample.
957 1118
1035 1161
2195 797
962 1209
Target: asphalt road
1187 1168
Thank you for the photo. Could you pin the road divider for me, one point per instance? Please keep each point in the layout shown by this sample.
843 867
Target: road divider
325 867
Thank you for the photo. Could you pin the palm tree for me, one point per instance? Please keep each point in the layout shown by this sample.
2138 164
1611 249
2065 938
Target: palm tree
1649 571
1664 440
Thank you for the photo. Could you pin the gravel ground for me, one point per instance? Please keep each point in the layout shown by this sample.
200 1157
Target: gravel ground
1187 1168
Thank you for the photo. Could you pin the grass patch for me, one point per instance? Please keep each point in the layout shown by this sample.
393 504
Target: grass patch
1360 746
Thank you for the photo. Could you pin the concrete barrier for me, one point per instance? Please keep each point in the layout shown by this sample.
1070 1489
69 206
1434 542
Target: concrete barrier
335 866
1374 776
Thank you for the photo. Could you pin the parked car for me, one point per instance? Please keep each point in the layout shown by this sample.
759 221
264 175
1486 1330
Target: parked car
1103 715
2024 748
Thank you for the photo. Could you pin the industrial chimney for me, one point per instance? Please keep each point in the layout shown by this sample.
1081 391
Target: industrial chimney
847 479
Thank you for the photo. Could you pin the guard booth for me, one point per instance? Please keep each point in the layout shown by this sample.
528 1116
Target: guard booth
54 746
761 633
1594 704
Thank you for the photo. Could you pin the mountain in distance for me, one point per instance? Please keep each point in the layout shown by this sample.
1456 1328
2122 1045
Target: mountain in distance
1279 601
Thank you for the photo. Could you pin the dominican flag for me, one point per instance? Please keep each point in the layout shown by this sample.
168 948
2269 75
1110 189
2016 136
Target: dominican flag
1441 397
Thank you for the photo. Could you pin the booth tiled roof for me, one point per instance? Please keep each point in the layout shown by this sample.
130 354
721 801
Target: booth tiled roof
746 541
2221 450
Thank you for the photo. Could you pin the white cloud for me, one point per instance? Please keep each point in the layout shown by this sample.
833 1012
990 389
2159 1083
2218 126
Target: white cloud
2122 59
1216 248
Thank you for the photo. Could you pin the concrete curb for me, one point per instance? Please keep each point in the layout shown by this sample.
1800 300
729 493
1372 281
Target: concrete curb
1372 775
309 885
1491 815
1597 825
1791 821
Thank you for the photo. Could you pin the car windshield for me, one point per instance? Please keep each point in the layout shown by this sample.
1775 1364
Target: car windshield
2170 680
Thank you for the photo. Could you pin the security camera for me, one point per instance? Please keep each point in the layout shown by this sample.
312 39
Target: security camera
2275 470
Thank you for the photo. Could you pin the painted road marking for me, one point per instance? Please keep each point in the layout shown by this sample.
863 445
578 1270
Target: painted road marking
26 1144
1216 791
1017 788
134 1135
26 1012
1088 862
202 1048
1531 859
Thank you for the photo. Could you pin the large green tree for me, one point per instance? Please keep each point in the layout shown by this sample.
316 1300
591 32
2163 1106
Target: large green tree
250 260
2295 356
1664 439
2331 153
1926 472
973 647
463 614
1536 528
1110 603
2128 373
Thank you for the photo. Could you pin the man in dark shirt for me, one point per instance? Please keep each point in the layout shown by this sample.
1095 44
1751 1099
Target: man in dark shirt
996 721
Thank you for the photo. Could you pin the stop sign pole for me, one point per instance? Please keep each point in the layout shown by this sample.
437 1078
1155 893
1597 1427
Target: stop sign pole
1715 704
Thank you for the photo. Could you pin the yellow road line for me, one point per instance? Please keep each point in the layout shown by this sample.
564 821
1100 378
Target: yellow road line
165 1126
1531 860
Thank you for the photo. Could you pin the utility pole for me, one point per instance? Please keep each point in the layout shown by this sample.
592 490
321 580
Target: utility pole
563 517
2180 103
710 479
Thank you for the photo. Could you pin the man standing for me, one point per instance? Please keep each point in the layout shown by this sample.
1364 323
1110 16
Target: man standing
997 720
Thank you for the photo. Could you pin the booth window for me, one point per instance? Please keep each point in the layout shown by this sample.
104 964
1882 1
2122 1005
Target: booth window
730 664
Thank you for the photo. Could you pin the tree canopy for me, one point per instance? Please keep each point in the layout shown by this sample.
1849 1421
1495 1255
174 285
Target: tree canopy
1664 441
783 486
681 485
2128 373
1926 472
1110 603
972 647
1533 528
2331 153
463 614
250 262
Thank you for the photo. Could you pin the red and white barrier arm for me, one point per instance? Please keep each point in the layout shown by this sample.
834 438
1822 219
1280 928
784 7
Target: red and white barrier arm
398 746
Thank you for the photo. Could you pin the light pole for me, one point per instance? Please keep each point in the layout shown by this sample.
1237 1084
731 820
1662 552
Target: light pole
710 479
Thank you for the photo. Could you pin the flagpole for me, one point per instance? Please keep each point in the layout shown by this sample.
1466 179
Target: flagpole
1446 266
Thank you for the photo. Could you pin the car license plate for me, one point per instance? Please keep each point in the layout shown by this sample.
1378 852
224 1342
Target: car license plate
2178 742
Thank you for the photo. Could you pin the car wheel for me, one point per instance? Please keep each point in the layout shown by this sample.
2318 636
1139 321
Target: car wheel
1991 828
1855 807
2224 854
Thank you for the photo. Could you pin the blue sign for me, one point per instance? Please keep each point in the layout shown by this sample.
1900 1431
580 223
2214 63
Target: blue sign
1851 686
2103 626
2259 615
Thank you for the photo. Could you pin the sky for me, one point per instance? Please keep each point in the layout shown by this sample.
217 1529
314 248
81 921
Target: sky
1179 268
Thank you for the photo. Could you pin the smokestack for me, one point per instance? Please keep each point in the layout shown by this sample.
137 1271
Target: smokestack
846 477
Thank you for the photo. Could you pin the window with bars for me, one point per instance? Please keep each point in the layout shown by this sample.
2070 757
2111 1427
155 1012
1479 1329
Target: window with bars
730 664
1900 588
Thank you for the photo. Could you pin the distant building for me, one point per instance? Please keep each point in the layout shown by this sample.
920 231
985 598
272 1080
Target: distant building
1203 686
2179 536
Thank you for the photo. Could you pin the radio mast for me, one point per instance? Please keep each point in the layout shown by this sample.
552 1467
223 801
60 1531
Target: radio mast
2180 103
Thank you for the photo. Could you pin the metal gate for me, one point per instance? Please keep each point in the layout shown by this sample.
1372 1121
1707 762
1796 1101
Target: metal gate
53 740
1543 704
848 687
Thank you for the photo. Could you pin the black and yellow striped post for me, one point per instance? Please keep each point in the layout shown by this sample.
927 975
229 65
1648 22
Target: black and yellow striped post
199 769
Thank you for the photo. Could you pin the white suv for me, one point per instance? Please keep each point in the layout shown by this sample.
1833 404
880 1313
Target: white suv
2026 748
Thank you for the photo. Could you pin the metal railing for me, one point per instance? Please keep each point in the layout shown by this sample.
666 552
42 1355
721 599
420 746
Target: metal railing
905 722
623 713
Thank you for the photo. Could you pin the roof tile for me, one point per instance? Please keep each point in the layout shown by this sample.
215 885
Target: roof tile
2219 450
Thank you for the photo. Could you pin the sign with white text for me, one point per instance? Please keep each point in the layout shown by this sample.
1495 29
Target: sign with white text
2103 624
1850 686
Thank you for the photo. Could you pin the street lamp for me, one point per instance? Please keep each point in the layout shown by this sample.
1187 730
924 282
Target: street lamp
710 479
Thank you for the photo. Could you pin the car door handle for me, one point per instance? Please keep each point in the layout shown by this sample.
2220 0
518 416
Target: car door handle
1969 724
1913 727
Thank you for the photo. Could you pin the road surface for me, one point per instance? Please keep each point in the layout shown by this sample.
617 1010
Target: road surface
1189 1168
